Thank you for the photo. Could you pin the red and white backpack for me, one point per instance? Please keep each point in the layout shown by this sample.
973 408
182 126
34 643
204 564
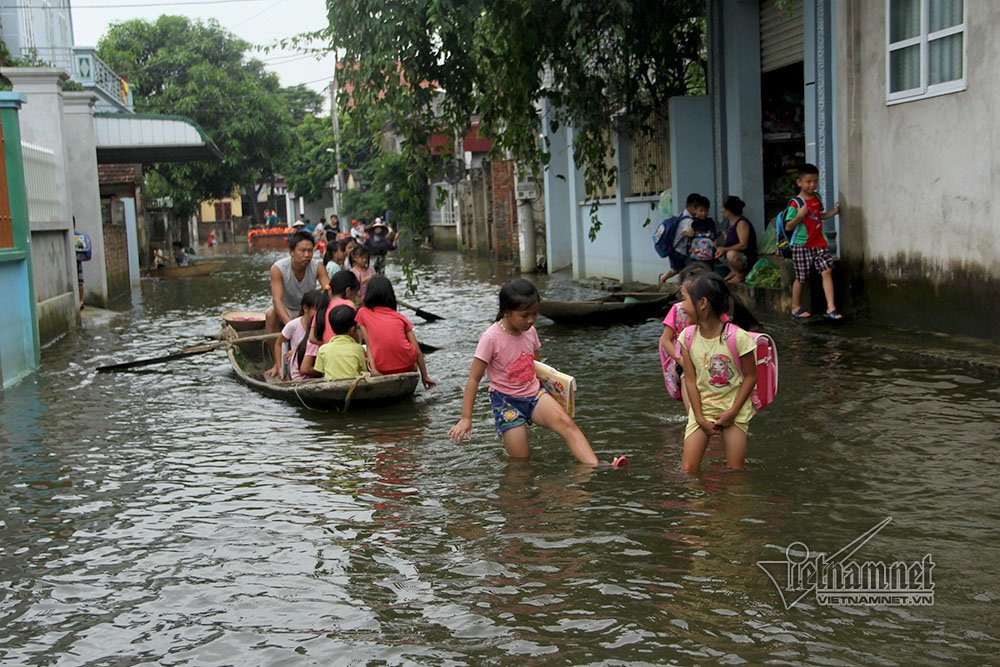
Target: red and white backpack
766 354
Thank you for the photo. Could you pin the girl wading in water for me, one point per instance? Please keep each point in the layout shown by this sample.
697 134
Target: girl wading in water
506 353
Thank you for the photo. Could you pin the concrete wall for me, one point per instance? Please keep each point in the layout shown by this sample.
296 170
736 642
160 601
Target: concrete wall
50 215
559 177
918 178
621 251
733 34
691 161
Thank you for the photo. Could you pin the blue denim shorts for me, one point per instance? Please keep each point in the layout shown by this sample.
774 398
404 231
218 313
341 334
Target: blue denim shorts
512 411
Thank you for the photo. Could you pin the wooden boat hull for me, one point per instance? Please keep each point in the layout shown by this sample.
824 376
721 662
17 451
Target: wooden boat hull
611 309
250 360
198 269
268 242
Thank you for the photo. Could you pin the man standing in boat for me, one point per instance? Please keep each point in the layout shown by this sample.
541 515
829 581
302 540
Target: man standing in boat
292 277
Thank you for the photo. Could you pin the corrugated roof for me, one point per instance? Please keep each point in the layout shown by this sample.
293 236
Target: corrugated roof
150 138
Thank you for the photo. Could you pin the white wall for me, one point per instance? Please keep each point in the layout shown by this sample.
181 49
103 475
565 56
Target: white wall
918 178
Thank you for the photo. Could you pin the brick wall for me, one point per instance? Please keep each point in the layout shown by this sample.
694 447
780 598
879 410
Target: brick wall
504 210
116 260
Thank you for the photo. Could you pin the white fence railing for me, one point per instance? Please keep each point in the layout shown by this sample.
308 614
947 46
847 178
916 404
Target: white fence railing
40 169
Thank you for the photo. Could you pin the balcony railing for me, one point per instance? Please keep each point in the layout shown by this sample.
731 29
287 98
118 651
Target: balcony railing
92 72
87 69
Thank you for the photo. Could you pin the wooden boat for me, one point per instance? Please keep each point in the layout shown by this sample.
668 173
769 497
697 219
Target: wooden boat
269 242
193 269
611 309
244 320
250 360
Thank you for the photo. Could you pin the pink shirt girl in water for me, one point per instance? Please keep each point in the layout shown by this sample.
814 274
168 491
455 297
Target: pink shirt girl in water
506 353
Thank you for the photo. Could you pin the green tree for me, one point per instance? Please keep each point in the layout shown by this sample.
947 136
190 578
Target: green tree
198 69
302 102
595 64
311 162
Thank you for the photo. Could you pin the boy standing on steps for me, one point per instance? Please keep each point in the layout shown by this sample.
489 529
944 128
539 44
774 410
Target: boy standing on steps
810 248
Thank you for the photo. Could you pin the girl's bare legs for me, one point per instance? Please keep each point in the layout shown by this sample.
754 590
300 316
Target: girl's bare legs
549 414
694 448
515 441
735 440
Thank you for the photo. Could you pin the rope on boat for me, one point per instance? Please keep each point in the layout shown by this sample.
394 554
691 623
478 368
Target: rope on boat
307 407
350 392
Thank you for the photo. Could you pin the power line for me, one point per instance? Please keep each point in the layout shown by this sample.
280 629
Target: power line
269 7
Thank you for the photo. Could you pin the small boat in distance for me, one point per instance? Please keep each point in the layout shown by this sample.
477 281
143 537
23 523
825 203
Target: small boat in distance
250 360
611 309
193 269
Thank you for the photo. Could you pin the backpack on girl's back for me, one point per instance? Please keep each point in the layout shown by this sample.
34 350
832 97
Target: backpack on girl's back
765 355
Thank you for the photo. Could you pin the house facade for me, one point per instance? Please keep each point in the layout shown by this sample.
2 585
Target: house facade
891 100
919 159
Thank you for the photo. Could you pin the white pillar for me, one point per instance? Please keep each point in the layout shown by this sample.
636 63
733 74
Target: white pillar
85 189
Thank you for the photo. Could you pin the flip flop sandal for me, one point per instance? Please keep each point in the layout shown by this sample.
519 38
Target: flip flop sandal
797 314
833 315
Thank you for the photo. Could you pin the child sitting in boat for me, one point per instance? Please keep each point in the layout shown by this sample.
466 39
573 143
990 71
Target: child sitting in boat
360 268
392 345
342 358
286 363
343 286
180 257
333 258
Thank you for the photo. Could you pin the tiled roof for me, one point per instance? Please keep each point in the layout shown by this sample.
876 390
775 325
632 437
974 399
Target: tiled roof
112 174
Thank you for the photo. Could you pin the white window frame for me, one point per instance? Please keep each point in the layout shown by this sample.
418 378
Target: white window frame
924 90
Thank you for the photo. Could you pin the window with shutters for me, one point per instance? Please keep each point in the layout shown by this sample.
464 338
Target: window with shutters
223 211
925 52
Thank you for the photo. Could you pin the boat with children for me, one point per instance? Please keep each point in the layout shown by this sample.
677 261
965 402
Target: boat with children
191 270
622 307
250 359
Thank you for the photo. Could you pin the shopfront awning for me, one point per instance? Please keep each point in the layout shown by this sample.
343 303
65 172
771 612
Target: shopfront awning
149 138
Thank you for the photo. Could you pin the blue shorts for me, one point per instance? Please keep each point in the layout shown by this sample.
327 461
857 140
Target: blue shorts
677 259
512 411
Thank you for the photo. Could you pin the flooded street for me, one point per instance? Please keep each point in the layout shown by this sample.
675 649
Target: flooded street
174 516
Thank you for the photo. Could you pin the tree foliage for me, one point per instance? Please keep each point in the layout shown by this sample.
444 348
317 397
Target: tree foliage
198 69
311 162
399 187
594 63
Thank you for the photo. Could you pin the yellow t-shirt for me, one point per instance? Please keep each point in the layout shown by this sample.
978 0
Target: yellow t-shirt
341 358
718 377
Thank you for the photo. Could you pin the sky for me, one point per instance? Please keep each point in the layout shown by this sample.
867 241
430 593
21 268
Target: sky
256 21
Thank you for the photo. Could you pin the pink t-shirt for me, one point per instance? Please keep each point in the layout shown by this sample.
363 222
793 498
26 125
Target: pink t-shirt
327 329
294 332
510 360
677 320
391 350
362 274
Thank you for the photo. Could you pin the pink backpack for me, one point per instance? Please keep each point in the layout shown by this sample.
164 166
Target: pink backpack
766 354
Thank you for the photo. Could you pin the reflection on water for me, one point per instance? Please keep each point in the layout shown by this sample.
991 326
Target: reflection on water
174 516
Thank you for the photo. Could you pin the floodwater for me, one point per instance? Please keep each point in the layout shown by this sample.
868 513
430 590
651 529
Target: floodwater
173 516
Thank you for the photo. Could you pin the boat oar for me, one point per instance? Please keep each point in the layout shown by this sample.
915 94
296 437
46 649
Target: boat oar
185 352
430 317
427 348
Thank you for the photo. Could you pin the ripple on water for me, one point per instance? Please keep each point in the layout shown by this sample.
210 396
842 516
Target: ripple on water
173 516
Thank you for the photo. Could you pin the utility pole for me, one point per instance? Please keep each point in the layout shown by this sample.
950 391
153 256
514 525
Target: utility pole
338 183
